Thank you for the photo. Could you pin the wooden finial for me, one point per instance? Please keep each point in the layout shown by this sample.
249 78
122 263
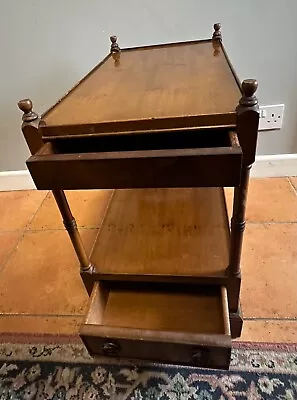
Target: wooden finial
26 106
114 48
216 45
117 57
249 87
217 35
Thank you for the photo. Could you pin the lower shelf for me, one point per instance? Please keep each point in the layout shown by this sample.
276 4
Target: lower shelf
163 234
173 324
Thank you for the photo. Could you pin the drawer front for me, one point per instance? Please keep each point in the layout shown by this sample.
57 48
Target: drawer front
136 169
172 324
209 352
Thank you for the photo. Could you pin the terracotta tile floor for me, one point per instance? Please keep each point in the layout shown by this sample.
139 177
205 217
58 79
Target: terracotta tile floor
41 291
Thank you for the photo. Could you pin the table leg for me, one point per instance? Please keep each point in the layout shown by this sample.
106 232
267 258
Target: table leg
34 141
247 120
86 267
236 239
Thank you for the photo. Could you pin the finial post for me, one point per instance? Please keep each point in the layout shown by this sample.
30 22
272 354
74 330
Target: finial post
114 48
247 120
34 141
26 106
217 35
30 126
249 87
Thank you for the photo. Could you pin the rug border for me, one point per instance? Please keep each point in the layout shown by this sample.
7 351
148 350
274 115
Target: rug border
46 338
38 338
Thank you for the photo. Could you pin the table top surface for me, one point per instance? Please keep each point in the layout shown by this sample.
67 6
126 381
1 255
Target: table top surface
161 87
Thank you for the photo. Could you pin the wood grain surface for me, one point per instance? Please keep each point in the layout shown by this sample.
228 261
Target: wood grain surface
173 232
161 307
164 311
150 83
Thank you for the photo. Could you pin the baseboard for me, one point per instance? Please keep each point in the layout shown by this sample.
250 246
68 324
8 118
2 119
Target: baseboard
16 180
264 167
275 165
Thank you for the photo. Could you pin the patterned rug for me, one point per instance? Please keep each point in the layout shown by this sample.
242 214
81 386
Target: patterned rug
60 368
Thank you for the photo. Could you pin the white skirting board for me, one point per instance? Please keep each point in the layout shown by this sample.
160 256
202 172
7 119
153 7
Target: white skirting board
275 165
16 180
264 167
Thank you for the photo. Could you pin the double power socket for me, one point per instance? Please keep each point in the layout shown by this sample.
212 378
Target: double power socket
271 117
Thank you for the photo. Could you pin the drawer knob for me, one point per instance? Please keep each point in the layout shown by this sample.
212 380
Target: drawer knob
200 355
197 356
111 348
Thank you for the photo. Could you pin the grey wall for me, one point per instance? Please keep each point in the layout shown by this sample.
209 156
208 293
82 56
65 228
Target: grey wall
46 46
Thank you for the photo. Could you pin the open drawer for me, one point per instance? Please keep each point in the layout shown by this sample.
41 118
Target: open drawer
173 324
161 159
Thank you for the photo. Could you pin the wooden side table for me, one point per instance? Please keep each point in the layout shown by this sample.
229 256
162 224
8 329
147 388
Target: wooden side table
162 123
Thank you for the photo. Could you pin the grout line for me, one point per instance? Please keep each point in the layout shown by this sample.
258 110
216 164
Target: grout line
27 228
270 319
11 230
40 315
47 229
2 267
292 186
99 226
288 319
270 222
62 229
34 214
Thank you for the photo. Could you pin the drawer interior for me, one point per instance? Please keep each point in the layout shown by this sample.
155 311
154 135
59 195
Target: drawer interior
187 139
158 307
168 160
186 325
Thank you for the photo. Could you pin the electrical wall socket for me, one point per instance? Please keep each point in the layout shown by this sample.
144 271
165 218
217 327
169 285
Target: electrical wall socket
271 117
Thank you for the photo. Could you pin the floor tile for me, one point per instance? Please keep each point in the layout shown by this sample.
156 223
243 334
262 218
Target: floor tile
40 325
269 199
88 208
269 331
229 200
42 276
272 199
269 267
8 241
18 208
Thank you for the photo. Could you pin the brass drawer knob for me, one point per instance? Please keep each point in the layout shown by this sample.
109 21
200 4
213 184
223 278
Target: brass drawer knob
111 348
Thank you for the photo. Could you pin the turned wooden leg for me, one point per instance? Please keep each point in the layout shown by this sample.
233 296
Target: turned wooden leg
86 267
34 141
71 227
236 239
247 120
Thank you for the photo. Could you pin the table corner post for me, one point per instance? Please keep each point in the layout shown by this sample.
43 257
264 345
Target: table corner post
33 137
30 125
247 121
